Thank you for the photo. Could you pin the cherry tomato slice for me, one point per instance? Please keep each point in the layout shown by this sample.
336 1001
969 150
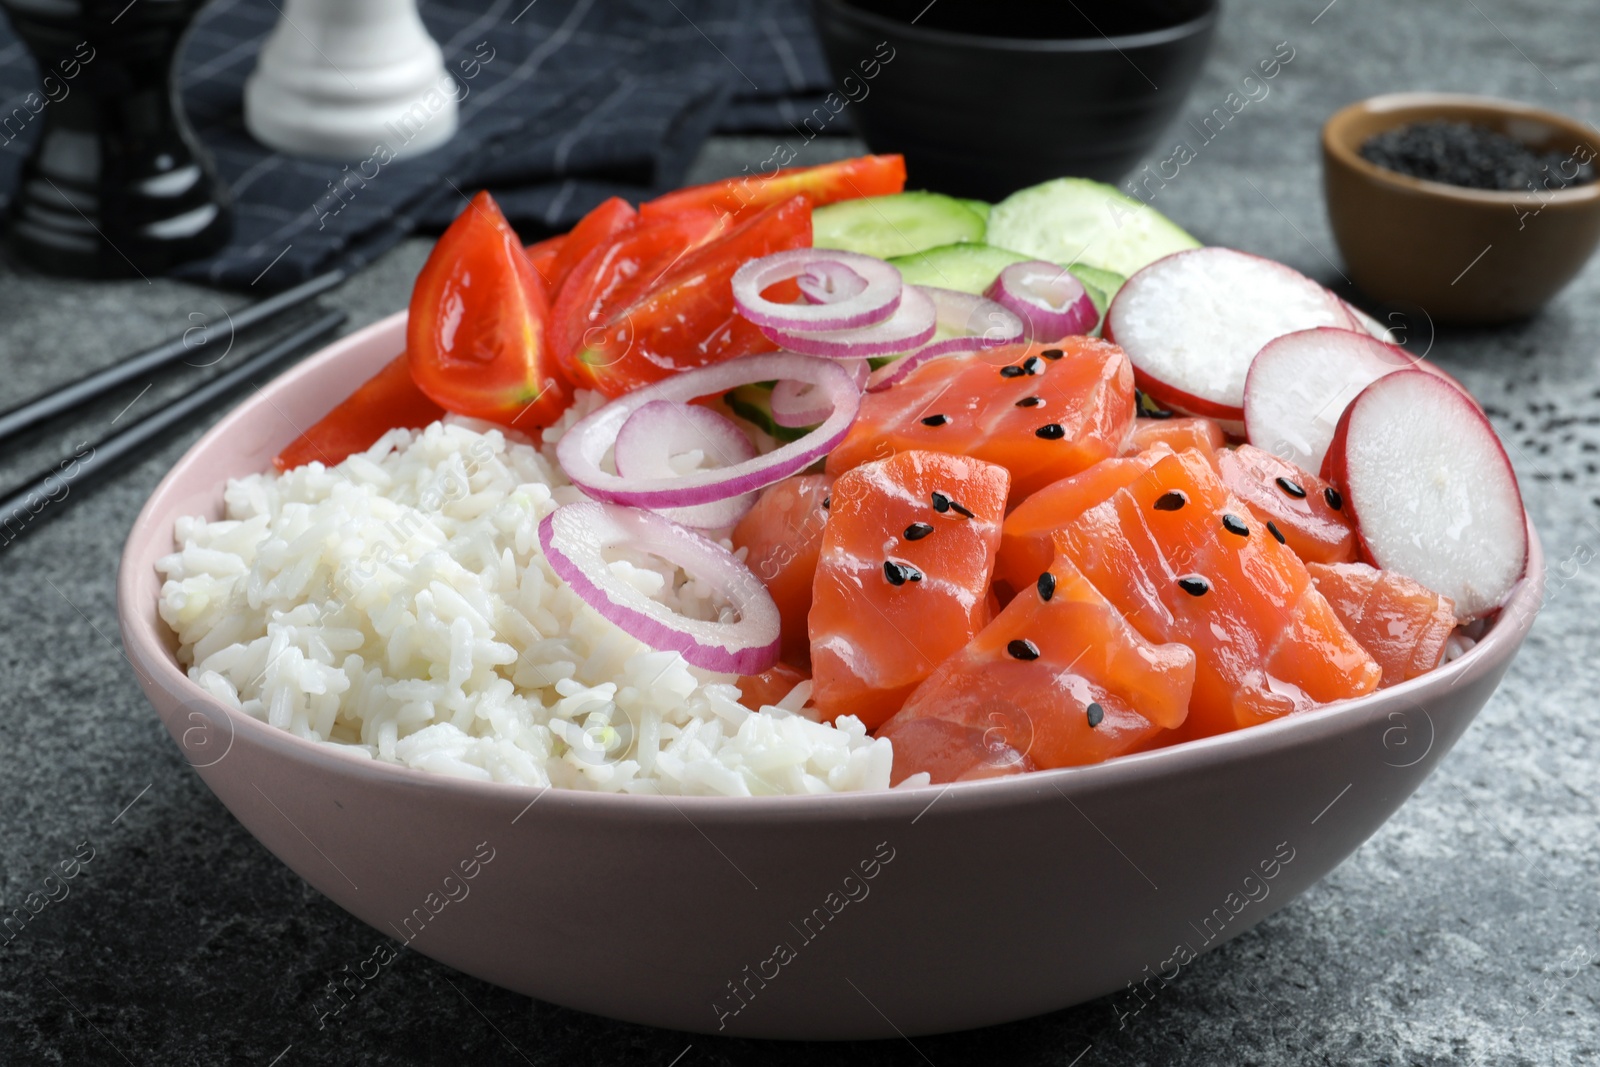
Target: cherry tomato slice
686 318
387 400
827 183
476 333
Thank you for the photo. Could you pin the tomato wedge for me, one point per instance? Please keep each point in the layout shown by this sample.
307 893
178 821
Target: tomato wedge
596 228
659 299
387 400
476 333
542 257
826 183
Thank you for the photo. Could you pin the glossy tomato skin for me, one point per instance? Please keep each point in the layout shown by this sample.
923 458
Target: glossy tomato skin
386 401
659 300
476 331
827 183
542 258
598 227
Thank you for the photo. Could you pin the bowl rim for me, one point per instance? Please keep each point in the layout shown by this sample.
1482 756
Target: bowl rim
950 38
1337 145
147 651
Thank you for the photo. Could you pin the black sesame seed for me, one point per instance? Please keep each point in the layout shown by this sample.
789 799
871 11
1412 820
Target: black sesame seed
1029 402
1012 372
1335 501
1047 585
936 420
1235 525
1022 648
1050 431
1272 528
900 573
1052 353
1171 500
1096 715
827 502
1194 585
961 510
917 531
1293 488
1033 365
941 503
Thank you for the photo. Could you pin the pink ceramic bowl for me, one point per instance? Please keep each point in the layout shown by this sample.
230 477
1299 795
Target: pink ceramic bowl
855 916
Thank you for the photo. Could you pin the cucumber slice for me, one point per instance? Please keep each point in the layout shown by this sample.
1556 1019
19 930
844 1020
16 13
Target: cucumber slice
968 268
980 208
888 226
1075 220
1107 282
1097 296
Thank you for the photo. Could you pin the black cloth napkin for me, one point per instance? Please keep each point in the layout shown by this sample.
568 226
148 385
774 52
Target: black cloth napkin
562 104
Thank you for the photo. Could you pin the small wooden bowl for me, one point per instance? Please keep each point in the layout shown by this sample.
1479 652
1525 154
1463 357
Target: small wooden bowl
1463 255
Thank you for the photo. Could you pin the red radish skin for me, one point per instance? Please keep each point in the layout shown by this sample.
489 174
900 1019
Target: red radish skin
1431 490
1299 384
1191 323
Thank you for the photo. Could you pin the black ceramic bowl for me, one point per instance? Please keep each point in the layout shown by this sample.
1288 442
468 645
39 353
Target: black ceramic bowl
1076 88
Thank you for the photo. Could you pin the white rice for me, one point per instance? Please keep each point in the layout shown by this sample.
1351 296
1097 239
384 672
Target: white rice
397 607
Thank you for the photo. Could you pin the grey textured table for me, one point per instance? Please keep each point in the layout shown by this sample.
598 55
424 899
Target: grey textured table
1466 931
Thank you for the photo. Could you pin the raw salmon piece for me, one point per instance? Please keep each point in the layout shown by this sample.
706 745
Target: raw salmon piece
756 691
1400 622
1026 547
1306 510
782 534
902 579
1042 411
1182 558
1058 679
1177 433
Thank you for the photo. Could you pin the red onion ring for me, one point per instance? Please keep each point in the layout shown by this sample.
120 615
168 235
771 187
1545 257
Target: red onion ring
574 538
912 324
795 404
583 447
1050 301
851 290
663 429
974 323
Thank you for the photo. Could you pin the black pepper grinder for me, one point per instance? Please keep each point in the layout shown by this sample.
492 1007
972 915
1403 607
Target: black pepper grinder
116 185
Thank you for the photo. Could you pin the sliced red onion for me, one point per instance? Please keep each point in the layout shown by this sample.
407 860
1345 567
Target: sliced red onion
1051 302
971 324
795 404
850 290
912 324
583 447
662 429
575 538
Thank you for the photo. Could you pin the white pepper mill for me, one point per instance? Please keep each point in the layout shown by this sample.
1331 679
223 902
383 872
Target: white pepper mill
349 80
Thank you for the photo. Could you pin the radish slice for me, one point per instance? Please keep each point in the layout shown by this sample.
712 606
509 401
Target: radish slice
1299 384
1365 323
582 448
1192 322
697 438
847 290
1050 301
795 404
912 324
1431 491
970 324
575 539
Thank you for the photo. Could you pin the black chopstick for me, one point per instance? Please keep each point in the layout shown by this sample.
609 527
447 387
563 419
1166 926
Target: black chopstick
137 365
21 506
